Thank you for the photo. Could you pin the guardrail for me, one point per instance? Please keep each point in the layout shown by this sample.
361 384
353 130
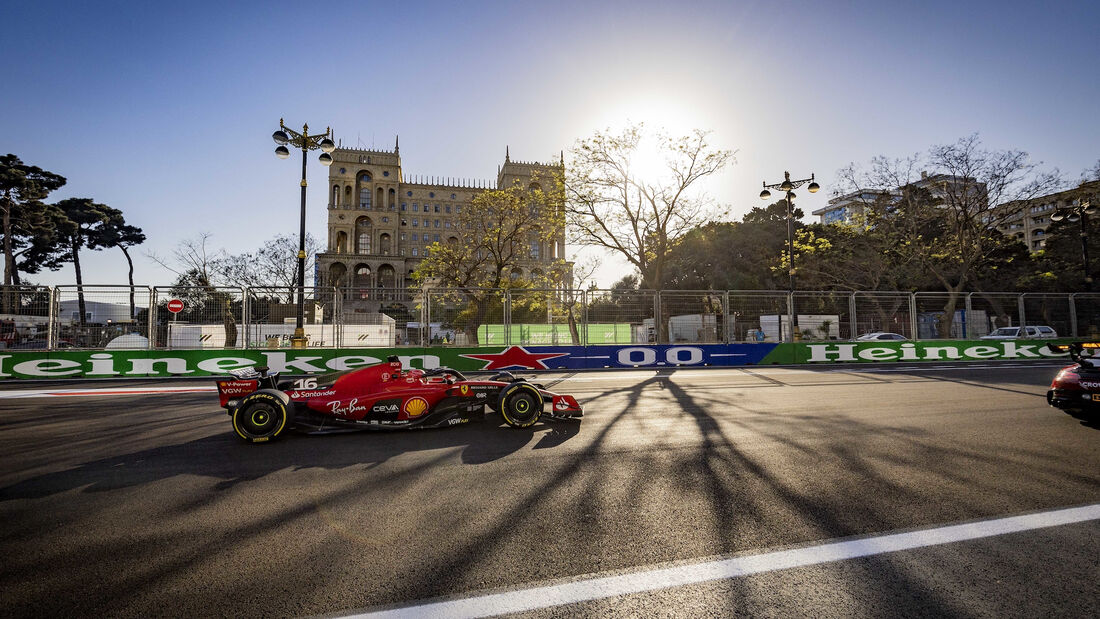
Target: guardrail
106 317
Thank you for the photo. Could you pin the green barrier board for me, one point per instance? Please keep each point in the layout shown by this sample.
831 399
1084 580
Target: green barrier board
888 352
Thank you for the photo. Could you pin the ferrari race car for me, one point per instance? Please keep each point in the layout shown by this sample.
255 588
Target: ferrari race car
1076 388
384 396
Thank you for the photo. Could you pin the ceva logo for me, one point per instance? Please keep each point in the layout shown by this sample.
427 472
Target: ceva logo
931 351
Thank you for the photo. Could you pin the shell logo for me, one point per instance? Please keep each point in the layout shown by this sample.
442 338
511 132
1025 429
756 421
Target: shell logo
416 407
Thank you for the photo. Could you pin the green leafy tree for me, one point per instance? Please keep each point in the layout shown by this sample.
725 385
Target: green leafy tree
491 248
740 255
22 189
81 223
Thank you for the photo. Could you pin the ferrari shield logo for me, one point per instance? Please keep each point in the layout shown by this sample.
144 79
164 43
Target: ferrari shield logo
465 389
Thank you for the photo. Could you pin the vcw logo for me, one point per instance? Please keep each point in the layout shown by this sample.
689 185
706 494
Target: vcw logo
205 337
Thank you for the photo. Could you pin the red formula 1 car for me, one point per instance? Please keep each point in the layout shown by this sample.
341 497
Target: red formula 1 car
381 397
1076 388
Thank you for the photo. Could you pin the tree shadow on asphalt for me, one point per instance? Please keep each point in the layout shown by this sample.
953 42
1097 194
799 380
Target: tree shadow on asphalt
822 507
226 457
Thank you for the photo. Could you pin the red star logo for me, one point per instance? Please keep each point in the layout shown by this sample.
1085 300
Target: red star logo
516 357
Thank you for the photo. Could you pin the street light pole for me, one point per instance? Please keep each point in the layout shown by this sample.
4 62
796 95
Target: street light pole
1080 211
788 186
306 142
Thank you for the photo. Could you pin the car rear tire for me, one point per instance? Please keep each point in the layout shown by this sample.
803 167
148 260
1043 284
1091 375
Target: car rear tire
520 404
260 417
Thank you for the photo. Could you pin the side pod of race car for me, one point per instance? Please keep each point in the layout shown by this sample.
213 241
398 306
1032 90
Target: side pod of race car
1076 388
384 396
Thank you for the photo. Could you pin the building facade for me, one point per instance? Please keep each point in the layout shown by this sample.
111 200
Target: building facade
1029 221
381 224
1026 221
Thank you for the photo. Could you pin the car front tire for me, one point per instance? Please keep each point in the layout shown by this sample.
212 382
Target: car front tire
520 404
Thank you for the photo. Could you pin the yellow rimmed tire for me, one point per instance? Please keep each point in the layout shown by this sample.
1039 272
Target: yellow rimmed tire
520 404
261 417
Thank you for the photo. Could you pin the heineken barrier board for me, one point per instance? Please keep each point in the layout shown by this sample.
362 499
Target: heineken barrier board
947 350
166 363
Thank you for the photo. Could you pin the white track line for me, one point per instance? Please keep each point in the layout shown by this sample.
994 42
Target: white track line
65 393
600 588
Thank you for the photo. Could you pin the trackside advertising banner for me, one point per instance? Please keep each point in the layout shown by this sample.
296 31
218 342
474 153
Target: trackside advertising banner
950 350
167 363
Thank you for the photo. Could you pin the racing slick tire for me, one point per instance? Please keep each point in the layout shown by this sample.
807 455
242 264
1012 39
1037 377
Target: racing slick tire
261 416
520 404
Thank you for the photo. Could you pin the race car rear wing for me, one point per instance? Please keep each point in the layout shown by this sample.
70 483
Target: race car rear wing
1085 353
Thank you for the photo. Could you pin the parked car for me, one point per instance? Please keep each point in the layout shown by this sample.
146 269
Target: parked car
881 336
1011 333
130 340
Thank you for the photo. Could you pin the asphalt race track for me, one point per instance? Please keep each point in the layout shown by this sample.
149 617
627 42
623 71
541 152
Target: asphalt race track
139 505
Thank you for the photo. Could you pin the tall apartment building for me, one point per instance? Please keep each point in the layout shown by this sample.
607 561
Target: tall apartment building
1030 220
380 223
847 208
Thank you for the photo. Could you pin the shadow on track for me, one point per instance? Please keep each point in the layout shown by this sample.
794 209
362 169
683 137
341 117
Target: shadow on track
223 456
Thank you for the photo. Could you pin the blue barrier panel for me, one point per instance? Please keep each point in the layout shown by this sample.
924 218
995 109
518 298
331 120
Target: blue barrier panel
633 356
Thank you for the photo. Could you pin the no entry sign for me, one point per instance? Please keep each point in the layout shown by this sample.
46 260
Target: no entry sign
175 306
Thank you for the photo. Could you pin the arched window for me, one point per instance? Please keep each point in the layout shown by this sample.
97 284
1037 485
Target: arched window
381 200
362 276
337 274
363 229
336 195
341 242
364 191
391 204
387 277
516 273
384 245
362 281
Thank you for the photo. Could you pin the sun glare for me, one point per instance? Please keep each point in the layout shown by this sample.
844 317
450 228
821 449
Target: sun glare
658 113
649 161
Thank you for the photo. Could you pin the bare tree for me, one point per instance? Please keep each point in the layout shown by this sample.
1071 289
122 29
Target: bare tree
1091 174
198 267
613 204
275 264
946 219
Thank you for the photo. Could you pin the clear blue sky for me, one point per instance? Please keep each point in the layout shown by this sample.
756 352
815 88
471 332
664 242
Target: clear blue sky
166 110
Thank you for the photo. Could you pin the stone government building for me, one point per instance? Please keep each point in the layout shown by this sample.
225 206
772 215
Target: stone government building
380 223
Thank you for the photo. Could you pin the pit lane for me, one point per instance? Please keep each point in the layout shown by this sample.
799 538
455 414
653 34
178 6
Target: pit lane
139 505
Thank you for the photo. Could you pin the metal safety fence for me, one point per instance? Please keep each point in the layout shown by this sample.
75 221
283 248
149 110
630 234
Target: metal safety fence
262 317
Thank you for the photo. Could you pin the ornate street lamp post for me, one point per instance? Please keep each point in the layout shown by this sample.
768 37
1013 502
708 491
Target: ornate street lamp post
788 186
285 135
1080 211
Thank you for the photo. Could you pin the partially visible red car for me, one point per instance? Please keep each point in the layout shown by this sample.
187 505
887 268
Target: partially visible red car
1076 388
